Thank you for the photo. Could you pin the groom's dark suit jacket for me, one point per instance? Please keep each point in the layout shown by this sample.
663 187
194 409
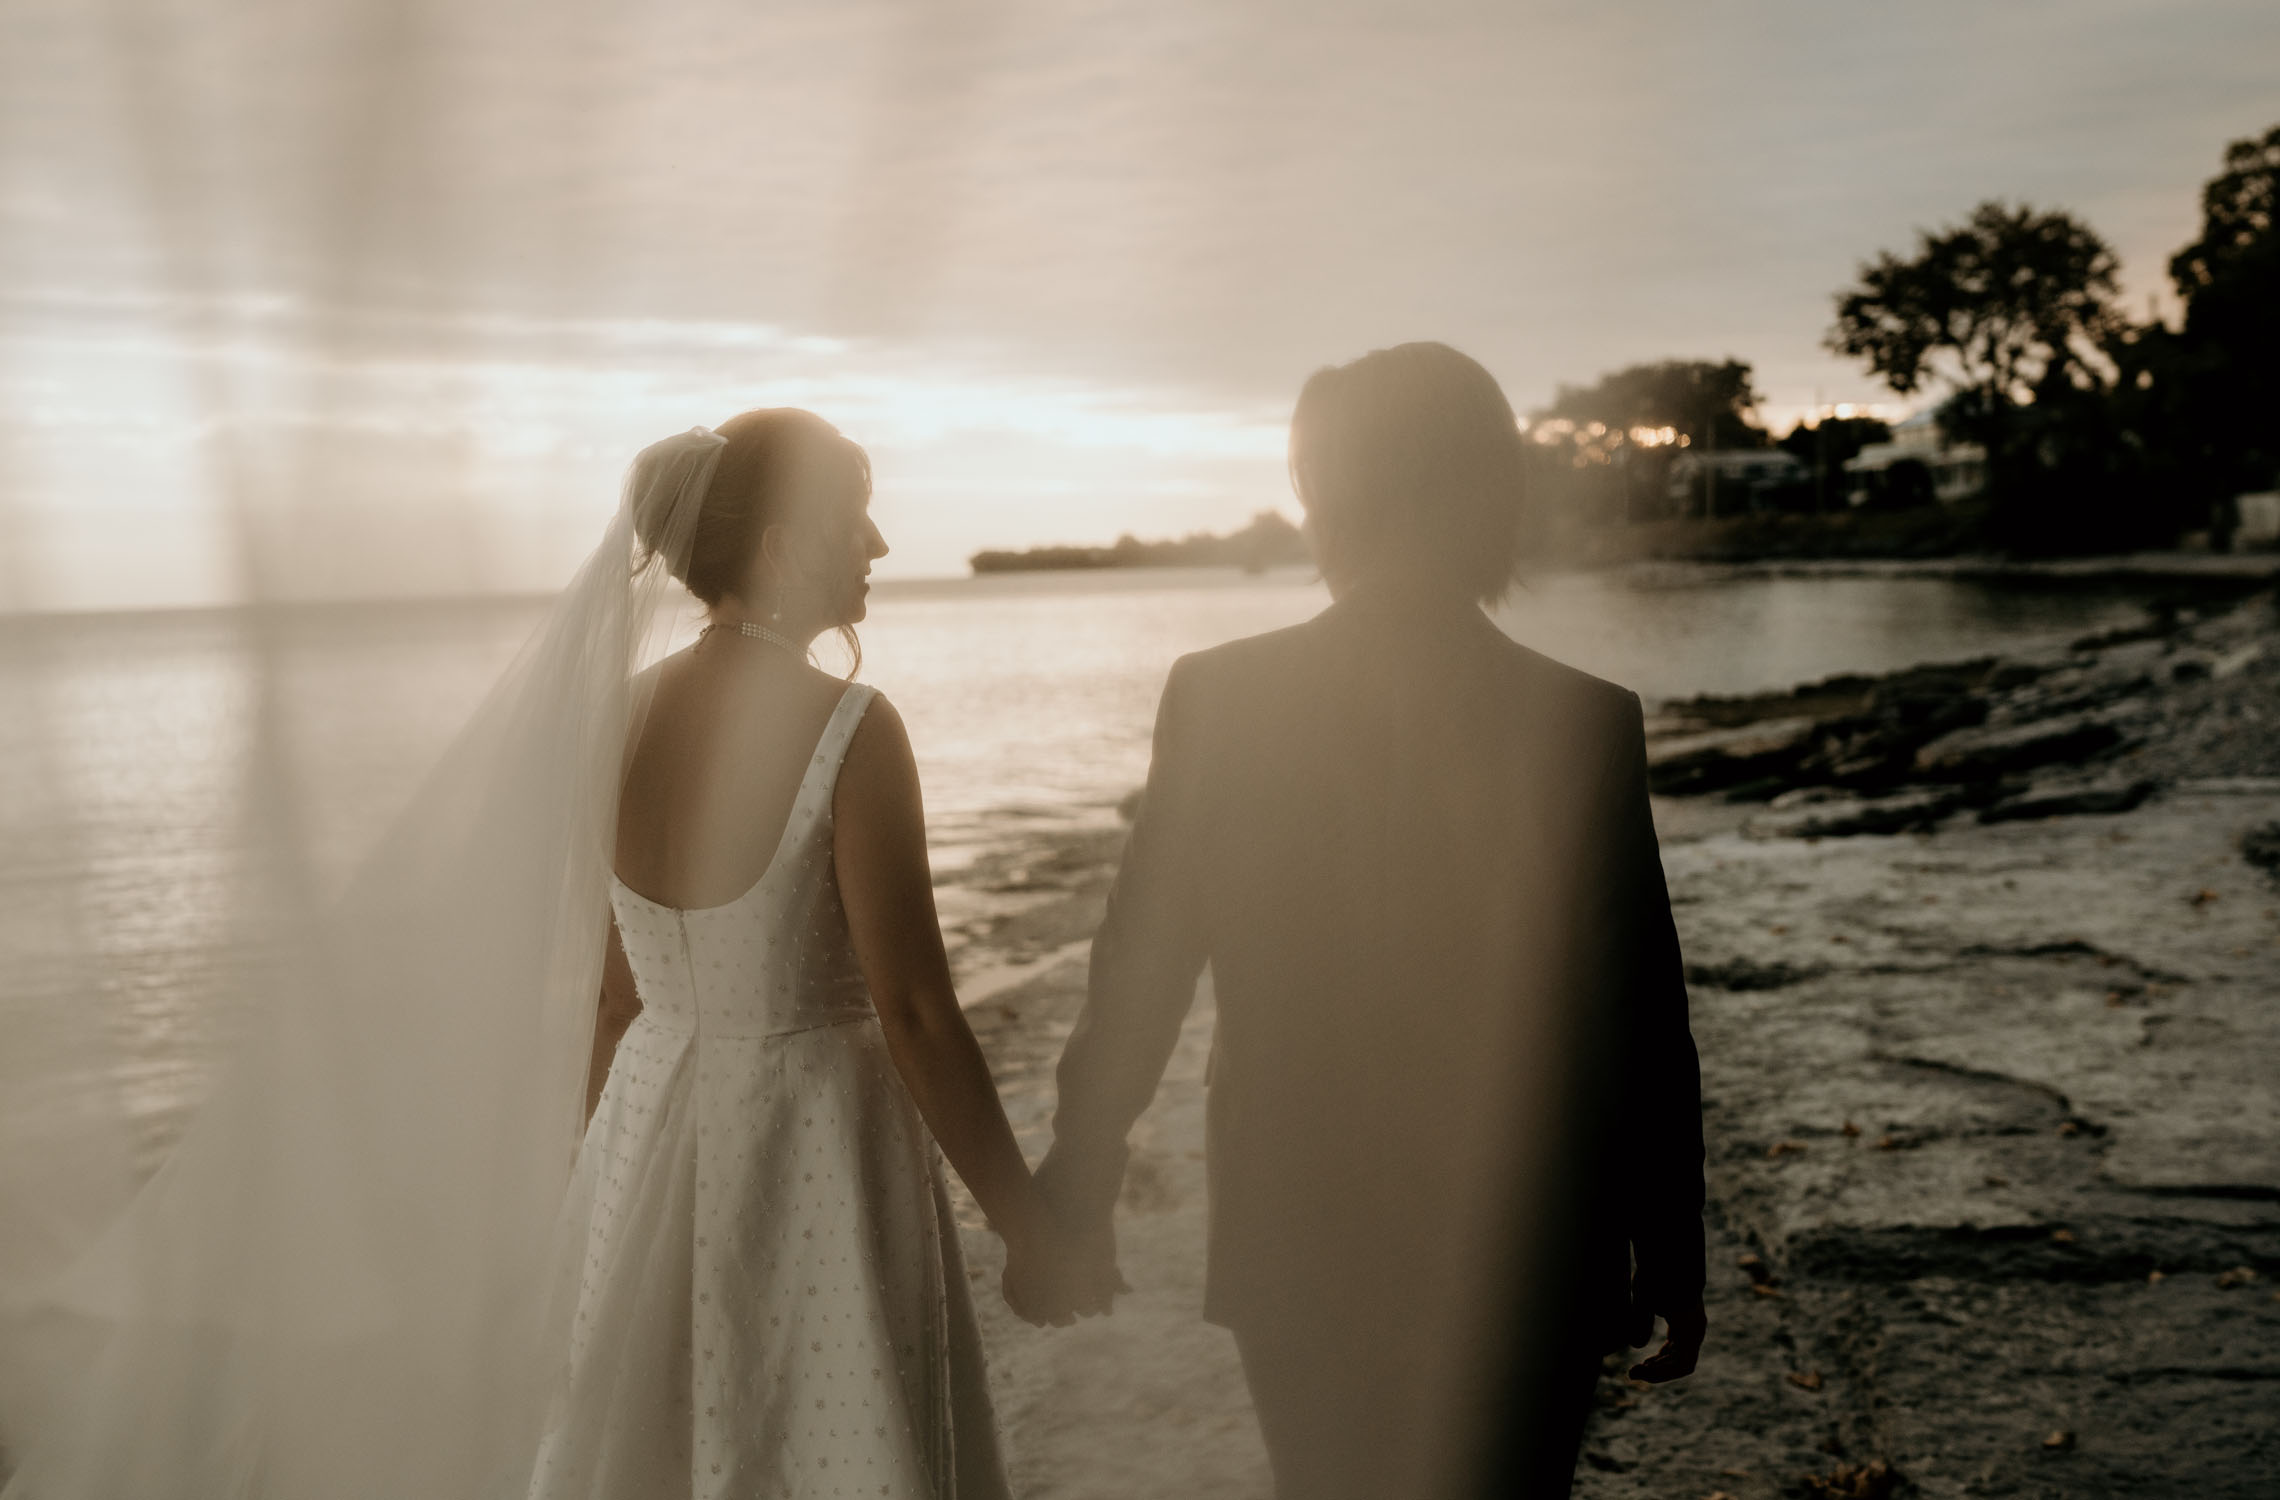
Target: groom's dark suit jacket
1451 1063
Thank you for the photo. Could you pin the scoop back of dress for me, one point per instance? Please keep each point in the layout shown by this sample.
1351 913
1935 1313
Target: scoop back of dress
768 1294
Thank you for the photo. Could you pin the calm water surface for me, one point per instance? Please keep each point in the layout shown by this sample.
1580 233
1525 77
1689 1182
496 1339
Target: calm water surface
124 739
1029 697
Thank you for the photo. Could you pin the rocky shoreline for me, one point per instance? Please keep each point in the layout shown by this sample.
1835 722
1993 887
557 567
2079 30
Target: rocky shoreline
2097 727
1984 961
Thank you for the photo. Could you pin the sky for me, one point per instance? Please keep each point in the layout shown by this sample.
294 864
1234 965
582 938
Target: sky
357 298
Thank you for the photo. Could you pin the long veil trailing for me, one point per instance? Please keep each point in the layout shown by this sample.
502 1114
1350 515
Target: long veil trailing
335 1284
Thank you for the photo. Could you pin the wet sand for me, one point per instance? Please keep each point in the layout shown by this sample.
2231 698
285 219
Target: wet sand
1994 1162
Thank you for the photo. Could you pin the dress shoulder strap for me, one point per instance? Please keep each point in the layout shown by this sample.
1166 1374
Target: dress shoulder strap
838 734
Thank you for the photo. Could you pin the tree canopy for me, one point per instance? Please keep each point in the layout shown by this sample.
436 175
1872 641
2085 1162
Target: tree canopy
2226 359
1701 400
2230 276
2012 303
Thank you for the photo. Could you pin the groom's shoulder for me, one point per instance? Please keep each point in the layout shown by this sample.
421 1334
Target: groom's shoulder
1548 677
1270 656
1250 653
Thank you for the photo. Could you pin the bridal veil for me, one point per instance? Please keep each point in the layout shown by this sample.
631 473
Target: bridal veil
334 1286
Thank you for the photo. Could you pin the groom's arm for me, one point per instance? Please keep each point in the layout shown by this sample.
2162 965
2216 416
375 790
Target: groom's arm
1664 1109
1145 959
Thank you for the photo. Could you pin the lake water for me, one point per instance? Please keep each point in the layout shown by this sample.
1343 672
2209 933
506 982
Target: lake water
124 738
1029 696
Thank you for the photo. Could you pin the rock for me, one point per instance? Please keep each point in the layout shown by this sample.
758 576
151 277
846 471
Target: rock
2230 786
2053 799
1934 704
1744 974
1843 818
1809 796
2237 660
2261 848
2161 624
2207 665
2079 689
1724 758
1991 751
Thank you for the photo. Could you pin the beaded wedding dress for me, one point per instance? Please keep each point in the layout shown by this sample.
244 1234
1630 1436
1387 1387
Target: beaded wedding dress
369 1270
769 1295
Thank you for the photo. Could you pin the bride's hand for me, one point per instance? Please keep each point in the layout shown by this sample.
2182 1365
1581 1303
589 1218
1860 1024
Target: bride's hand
1039 1282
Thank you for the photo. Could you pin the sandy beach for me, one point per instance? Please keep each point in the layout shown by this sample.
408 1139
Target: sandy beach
1994 1148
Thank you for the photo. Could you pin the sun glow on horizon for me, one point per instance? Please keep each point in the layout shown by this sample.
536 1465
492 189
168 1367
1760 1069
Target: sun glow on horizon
422 453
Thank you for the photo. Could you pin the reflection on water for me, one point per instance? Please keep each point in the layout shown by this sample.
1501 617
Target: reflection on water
1028 696
1030 700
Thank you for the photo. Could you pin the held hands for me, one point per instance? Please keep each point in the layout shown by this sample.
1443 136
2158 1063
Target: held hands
1054 1276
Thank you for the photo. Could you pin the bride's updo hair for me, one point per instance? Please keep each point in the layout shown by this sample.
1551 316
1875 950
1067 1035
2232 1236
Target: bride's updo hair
1409 462
781 466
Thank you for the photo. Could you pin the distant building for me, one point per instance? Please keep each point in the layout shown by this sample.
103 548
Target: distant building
1738 481
2251 522
1919 465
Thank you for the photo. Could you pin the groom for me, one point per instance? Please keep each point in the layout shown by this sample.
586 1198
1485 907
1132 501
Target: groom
1454 1131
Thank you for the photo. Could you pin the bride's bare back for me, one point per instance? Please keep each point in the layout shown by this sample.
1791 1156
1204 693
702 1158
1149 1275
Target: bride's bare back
712 776
716 766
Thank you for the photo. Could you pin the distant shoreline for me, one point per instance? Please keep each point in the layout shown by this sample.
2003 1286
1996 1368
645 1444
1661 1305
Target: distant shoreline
1270 540
2220 570
1927 542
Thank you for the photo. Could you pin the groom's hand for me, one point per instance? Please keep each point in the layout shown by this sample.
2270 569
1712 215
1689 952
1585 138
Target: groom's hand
1098 1282
1682 1346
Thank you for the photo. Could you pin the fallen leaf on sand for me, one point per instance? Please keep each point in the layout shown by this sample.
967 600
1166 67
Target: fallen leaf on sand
2059 1440
2062 1236
1805 1380
1780 1149
1765 1291
2156 1278
2237 1276
1754 1267
1849 1130
2203 896
2068 1127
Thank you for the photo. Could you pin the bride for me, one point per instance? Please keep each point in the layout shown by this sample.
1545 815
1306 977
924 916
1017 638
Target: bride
362 1272
771 1296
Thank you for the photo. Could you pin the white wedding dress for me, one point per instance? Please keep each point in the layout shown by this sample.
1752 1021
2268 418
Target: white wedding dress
769 1296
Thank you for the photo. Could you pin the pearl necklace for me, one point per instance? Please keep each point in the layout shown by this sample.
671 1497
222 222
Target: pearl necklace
773 638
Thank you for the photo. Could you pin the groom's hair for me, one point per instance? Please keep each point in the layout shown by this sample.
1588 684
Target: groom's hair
1409 460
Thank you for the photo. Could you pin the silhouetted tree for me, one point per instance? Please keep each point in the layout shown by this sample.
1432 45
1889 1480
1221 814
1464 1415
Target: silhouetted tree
2198 406
1700 400
2230 282
2013 311
2207 395
1604 449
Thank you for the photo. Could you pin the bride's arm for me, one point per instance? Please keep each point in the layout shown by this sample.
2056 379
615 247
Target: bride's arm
619 1005
879 844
